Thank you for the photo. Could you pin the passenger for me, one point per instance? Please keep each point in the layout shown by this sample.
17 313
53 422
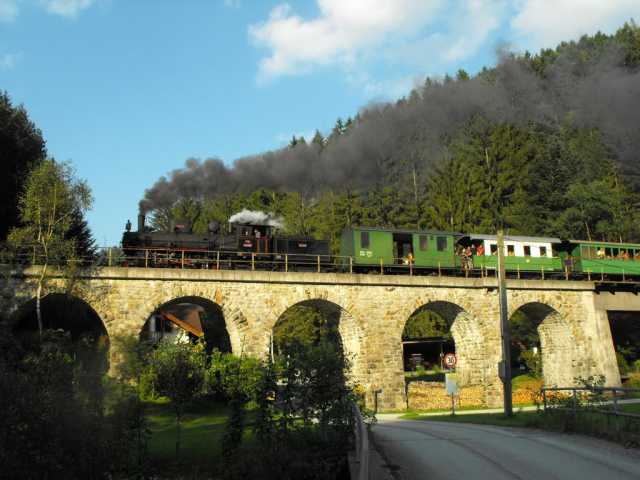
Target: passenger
625 255
480 250
256 232
410 258
600 253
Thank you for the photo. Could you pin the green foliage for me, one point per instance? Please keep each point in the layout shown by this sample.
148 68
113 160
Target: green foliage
303 326
303 421
623 365
229 376
177 372
51 201
53 420
533 361
21 149
426 324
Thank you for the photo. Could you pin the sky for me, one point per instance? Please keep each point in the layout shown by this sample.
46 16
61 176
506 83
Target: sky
127 90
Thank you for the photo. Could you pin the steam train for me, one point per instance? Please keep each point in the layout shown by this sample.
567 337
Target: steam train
258 245
223 246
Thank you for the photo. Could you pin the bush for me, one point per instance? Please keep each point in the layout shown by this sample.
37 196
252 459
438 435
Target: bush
177 371
53 420
304 416
623 365
228 375
533 361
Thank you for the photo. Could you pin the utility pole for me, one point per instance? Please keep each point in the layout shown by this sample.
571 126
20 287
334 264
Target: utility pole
504 369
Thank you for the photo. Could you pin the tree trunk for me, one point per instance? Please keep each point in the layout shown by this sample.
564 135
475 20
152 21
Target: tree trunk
588 231
39 297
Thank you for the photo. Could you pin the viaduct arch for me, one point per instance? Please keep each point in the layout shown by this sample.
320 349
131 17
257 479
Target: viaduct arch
373 311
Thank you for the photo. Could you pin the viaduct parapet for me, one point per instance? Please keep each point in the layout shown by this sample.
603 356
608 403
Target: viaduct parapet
373 309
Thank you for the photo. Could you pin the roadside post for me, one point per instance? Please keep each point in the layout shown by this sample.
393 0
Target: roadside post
451 384
451 379
504 368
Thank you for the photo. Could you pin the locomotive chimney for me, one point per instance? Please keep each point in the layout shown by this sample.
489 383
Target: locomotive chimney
141 223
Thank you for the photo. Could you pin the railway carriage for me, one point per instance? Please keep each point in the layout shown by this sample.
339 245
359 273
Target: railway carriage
605 258
522 254
374 249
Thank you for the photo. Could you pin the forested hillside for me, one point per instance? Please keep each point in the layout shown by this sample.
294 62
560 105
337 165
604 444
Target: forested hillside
540 144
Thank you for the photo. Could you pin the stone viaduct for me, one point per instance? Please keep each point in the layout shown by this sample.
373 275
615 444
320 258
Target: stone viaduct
373 309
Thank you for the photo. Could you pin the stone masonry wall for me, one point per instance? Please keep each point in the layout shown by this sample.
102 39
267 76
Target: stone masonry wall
374 310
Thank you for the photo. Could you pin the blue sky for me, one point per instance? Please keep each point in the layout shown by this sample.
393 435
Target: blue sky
128 90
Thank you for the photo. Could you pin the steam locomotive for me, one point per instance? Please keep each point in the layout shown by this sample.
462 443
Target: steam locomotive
223 246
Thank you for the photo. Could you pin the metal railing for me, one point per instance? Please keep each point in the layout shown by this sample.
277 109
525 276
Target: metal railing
605 400
361 460
155 257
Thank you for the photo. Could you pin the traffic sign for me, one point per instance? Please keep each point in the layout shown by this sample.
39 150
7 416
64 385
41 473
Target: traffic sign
450 360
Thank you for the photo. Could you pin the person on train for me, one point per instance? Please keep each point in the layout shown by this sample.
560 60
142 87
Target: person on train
480 250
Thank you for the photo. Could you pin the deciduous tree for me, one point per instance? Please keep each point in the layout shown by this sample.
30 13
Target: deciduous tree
52 199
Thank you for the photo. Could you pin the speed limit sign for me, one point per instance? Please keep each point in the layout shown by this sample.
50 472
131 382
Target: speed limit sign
450 360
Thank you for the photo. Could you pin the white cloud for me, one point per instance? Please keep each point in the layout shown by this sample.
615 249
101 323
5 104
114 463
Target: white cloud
8 60
66 8
341 33
474 21
545 23
8 10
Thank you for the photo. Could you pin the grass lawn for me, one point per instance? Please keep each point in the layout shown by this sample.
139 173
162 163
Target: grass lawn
424 376
202 431
519 419
630 408
525 380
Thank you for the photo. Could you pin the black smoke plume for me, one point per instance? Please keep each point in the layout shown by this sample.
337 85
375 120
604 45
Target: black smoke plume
602 93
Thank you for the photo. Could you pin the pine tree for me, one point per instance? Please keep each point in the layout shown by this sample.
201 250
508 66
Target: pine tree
318 140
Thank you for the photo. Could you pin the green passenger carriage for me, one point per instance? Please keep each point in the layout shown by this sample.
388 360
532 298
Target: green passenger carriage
365 249
374 249
605 258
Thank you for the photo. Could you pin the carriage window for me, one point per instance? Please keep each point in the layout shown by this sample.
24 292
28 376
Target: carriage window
527 251
543 251
364 239
442 244
511 250
423 243
494 249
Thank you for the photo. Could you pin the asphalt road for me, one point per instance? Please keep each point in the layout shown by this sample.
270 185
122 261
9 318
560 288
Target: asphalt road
437 450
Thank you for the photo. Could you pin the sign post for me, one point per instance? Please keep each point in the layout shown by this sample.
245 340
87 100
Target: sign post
451 384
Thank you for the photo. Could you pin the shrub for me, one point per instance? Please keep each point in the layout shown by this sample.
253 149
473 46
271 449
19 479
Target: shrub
228 375
533 361
623 365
